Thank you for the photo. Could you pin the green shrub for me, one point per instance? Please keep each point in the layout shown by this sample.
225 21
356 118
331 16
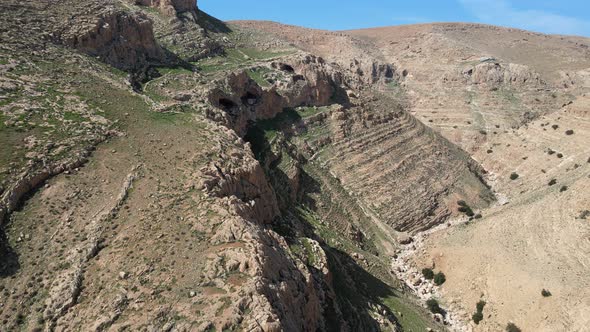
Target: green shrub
545 293
480 305
478 216
562 189
464 208
512 328
555 127
439 278
467 210
433 306
552 182
514 176
427 273
477 317
569 132
560 155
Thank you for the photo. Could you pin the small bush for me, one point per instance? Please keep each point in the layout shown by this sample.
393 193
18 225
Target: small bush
467 210
545 293
514 176
550 152
552 182
433 306
427 273
569 132
477 317
555 127
439 278
478 216
512 328
464 208
562 189
480 305
560 155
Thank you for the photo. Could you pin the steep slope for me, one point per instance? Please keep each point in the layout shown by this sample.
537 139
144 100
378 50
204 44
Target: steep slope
166 171
130 199
516 102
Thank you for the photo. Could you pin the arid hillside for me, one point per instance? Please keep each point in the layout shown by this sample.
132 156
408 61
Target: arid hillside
517 102
162 170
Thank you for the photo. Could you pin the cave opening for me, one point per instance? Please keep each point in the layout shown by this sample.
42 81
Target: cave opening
250 99
227 104
297 78
287 68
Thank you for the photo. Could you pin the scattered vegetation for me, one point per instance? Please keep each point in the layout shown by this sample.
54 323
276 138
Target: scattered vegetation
464 208
584 214
569 132
512 328
439 278
545 293
560 155
514 176
434 307
477 317
552 182
257 75
555 127
428 273
562 189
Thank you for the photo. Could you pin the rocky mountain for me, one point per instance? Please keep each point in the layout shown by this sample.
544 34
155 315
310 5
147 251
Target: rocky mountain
162 170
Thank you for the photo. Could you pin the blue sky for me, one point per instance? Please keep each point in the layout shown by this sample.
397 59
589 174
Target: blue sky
548 16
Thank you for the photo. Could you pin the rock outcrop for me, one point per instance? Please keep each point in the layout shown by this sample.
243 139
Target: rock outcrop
495 73
124 40
372 72
307 81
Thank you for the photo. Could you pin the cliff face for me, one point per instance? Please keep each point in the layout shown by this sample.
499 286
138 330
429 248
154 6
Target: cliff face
306 81
124 40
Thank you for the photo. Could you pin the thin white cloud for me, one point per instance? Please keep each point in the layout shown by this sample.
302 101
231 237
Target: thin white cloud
501 12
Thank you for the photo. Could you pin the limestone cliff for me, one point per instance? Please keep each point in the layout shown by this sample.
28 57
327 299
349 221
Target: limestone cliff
306 81
124 40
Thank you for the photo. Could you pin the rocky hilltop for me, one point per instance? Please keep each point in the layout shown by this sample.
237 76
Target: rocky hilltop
165 171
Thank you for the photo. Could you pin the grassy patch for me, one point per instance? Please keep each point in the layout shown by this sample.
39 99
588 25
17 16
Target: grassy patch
257 75
174 71
71 116
235 58
409 318
305 112
262 54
